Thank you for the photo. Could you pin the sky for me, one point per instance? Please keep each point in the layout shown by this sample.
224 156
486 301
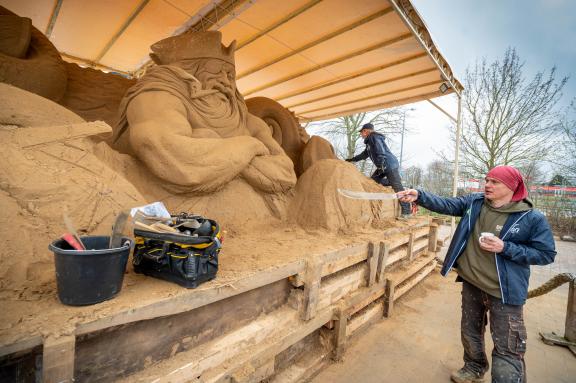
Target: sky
542 31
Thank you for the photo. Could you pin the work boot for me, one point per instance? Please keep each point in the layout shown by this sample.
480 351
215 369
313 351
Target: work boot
464 375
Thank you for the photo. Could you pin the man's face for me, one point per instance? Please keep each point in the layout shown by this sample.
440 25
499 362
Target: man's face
217 74
365 132
495 190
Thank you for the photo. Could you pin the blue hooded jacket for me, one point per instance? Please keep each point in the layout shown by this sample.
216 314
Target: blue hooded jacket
527 240
378 152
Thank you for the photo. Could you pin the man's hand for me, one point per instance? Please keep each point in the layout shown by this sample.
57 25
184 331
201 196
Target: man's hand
408 195
492 244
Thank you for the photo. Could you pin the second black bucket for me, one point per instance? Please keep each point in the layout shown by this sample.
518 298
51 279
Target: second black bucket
86 277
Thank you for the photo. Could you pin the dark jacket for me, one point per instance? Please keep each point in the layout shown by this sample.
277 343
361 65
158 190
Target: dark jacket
527 240
378 152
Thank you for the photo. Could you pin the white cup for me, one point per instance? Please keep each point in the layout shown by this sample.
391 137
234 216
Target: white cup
485 235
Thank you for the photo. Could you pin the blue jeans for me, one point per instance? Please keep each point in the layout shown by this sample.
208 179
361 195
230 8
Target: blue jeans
508 333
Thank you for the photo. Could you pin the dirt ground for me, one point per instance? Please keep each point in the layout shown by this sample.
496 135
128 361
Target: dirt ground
421 342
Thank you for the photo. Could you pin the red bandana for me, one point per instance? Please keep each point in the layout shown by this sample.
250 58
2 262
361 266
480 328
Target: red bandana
512 178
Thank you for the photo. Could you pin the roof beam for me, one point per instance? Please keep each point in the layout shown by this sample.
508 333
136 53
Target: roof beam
53 18
370 108
312 44
420 40
425 71
351 77
375 96
270 28
332 62
123 28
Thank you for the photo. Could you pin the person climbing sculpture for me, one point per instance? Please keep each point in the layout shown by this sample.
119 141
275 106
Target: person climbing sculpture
387 168
188 123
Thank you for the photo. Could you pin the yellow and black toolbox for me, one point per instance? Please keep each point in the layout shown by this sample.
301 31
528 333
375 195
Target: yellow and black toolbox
187 255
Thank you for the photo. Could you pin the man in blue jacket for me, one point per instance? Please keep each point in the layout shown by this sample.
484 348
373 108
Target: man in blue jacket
499 236
387 168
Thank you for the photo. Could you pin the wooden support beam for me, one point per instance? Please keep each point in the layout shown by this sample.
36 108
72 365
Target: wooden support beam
340 333
570 330
389 298
372 264
433 237
411 248
382 259
312 280
58 359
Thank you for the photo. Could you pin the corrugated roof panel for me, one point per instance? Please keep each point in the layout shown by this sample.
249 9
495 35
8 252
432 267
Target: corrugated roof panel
84 28
156 21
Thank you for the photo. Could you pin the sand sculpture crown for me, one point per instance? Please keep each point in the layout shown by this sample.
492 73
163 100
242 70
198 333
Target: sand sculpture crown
192 46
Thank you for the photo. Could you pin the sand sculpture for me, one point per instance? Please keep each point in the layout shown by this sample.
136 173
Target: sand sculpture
185 136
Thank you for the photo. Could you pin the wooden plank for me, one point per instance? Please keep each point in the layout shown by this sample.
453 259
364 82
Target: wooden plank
58 359
411 247
389 298
397 254
193 299
401 275
420 244
372 314
406 286
254 371
363 298
570 329
382 260
312 280
24 345
421 232
397 241
340 334
343 258
334 289
272 346
372 264
304 369
433 237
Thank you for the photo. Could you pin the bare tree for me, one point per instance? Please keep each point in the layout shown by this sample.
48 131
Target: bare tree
343 132
438 178
568 158
413 176
507 119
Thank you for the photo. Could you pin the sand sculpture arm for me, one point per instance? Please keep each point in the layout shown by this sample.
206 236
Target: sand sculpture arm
270 173
198 160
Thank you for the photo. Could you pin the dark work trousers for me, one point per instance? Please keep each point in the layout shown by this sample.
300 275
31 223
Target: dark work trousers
391 177
508 333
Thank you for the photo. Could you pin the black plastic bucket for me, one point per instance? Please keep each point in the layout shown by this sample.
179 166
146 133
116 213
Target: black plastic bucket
85 277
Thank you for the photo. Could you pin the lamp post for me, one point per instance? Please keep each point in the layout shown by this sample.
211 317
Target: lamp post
403 130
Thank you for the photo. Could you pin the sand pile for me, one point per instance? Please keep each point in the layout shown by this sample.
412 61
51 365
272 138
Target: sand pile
319 205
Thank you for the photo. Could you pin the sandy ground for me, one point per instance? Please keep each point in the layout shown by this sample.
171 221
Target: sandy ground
421 342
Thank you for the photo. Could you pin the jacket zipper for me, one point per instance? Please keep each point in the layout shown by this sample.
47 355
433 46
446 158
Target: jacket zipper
464 242
496 256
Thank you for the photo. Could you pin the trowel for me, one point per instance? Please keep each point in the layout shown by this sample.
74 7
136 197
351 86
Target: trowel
117 229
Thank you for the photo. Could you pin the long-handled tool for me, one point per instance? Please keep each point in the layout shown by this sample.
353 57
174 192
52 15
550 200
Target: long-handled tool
366 195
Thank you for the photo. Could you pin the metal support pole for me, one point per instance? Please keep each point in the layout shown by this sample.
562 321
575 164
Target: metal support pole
456 158
402 139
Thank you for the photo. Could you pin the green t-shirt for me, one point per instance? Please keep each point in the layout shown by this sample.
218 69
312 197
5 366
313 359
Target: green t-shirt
477 266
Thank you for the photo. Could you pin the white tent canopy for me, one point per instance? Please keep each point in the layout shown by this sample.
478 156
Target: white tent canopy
319 58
